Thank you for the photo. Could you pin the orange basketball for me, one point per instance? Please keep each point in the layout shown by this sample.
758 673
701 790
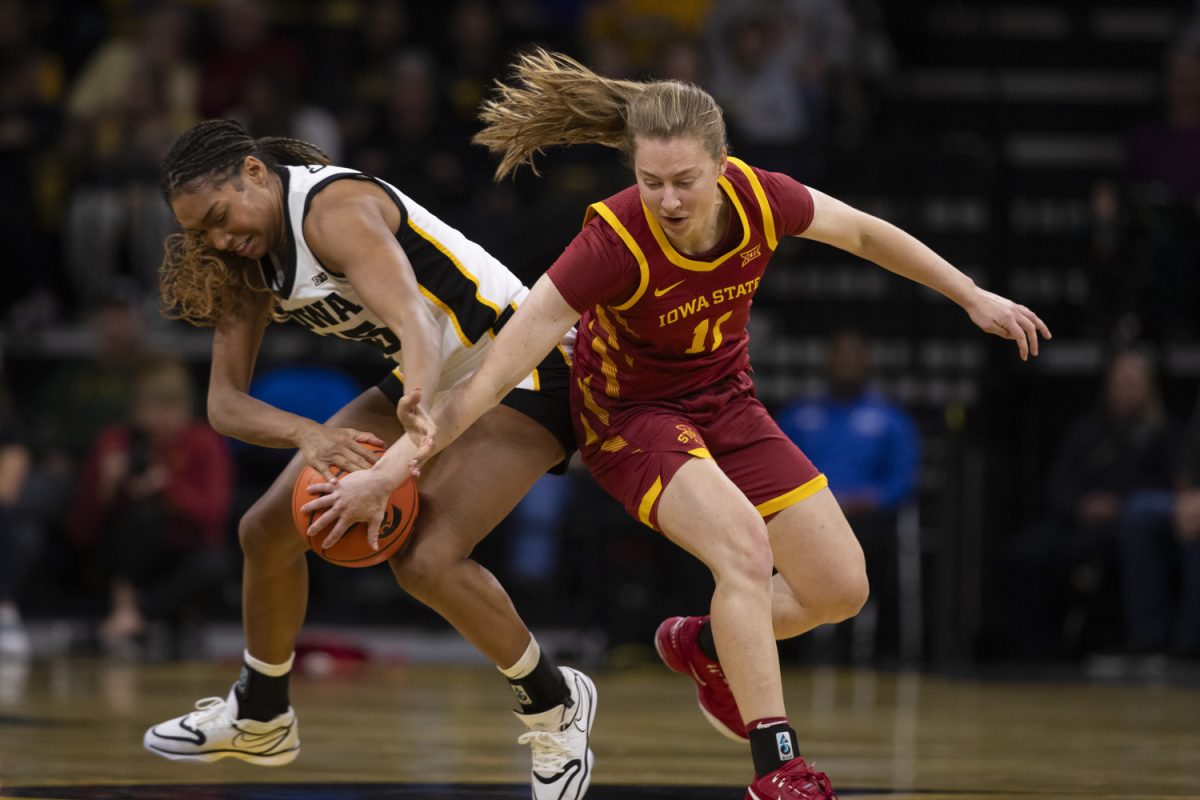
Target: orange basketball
352 549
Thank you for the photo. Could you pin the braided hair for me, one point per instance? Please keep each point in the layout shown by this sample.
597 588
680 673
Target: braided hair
197 283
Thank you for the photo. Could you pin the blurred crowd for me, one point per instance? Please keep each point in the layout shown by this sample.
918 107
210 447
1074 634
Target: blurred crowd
113 490
94 93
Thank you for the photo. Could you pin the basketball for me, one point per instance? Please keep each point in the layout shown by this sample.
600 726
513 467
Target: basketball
352 549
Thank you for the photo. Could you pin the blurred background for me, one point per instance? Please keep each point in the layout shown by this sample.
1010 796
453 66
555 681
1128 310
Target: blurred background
1012 513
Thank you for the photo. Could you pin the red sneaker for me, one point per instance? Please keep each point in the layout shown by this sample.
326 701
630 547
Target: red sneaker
795 780
675 641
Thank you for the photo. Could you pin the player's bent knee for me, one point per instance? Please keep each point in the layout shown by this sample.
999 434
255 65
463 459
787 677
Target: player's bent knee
259 539
744 558
847 596
419 570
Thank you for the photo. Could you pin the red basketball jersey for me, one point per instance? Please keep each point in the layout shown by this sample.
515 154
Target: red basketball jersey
684 327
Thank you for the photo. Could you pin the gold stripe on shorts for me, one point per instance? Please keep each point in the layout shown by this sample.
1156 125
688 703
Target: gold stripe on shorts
648 501
802 492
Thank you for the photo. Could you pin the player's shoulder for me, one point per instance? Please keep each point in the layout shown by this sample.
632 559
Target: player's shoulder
598 233
345 203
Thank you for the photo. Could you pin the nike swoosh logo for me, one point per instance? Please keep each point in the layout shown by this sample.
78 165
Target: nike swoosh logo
267 740
569 771
664 290
197 737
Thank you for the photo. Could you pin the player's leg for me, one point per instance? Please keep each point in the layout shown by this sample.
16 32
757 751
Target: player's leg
255 723
275 579
470 488
822 573
465 494
702 511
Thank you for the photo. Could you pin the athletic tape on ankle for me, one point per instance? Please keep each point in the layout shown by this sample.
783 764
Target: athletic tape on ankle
526 663
270 670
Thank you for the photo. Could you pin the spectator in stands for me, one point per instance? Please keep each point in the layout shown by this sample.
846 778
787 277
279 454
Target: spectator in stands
412 139
135 95
245 44
1063 571
476 55
861 60
355 71
15 547
76 399
271 106
153 506
641 30
30 85
1157 208
1160 540
69 406
764 55
868 448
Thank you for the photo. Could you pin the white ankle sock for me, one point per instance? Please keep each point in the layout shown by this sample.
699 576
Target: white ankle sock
270 670
525 663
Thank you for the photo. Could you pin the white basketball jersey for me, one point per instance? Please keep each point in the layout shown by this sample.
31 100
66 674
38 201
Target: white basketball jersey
469 293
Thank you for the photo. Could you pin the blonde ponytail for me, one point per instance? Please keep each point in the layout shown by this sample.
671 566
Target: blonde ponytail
552 99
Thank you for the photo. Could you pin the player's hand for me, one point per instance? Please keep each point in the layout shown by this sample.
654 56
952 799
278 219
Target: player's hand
357 497
1008 320
419 429
346 448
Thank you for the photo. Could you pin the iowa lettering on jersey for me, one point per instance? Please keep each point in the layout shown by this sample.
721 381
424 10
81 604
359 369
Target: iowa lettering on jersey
333 310
697 304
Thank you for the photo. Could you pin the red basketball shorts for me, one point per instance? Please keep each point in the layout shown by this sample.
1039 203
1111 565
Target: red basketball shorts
639 448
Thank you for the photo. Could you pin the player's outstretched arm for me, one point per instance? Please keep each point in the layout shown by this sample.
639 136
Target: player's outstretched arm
233 412
535 329
869 237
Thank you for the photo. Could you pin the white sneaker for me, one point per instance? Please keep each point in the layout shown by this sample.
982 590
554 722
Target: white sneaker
562 760
213 732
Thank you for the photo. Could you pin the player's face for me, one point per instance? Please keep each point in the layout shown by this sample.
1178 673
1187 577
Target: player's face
677 179
243 215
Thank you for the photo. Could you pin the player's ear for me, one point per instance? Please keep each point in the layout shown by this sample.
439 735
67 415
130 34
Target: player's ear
254 169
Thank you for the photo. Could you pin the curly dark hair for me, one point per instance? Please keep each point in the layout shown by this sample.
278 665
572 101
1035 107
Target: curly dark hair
197 283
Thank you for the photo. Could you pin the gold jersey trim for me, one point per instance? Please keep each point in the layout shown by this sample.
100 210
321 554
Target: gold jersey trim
647 504
483 301
449 312
759 194
699 266
643 265
802 492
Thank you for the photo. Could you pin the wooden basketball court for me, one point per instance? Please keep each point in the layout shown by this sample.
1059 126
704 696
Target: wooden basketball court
71 729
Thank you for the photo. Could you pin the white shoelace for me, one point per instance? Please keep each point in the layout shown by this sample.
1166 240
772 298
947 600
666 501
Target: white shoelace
210 712
550 754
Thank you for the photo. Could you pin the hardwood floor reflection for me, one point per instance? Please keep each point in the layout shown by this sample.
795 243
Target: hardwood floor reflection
72 728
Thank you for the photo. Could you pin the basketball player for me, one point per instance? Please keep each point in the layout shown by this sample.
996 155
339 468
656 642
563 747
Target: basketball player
661 279
273 232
